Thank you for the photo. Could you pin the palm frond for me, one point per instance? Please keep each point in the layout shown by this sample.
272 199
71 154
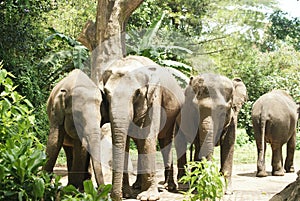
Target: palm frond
151 33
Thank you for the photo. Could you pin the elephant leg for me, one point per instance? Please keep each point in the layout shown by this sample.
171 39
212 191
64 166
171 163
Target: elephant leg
277 169
261 155
181 147
166 150
227 151
54 144
69 155
197 143
147 151
289 161
79 165
138 182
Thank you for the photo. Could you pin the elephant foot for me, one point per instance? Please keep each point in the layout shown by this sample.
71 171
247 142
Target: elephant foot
77 186
169 183
228 191
138 182
127 191
116 196
278 173
137 185
261 173
171 186
289 169
151 194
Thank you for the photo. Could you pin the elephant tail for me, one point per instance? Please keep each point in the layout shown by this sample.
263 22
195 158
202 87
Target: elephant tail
263 124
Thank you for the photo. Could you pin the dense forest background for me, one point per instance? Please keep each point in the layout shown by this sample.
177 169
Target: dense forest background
252 40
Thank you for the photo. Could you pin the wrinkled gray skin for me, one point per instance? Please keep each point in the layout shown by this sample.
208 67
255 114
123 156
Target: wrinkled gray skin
209 118
143 107
274 118
73 109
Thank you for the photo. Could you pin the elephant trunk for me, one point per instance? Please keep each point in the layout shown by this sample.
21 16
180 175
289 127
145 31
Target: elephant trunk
119 123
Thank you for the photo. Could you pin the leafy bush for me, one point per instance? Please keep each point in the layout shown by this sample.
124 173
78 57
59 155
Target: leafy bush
16 112
205 181
70 193
242 137
298 141
21 154
20 174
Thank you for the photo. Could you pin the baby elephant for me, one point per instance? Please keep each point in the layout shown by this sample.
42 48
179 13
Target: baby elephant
74 114
274 118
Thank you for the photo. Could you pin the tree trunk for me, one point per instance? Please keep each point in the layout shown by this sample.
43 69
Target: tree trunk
290 193
106 37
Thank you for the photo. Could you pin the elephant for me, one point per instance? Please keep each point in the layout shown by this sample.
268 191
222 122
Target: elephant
144 101
274 118
76 109
209 118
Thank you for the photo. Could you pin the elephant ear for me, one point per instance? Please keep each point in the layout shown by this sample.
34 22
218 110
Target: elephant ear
239 94
59 106
196 87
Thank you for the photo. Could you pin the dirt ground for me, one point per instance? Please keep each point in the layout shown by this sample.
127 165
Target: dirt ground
246 187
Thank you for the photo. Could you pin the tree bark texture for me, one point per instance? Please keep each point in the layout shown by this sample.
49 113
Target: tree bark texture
290 193
105 38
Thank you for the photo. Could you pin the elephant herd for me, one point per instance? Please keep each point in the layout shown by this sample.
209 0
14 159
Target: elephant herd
143 101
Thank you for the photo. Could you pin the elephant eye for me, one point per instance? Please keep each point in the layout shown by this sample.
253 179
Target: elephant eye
206 91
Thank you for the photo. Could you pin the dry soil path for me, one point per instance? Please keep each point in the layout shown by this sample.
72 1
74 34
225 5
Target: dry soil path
246 187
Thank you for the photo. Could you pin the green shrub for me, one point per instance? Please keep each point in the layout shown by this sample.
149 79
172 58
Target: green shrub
298 141
20 174
205 181
21 153
70 193
242 138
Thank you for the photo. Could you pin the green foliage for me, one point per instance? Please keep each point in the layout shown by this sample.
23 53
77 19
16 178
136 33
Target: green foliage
21 154
16 111
20 174
298 140
20 41
23 28
70 193
181 16
69 17
151 45
282 28
205 181
242 138
69 56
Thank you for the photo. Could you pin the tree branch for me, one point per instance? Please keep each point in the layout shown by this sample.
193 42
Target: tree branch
217 51
128 6
87 36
